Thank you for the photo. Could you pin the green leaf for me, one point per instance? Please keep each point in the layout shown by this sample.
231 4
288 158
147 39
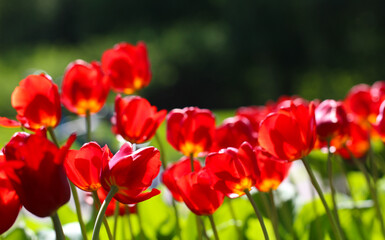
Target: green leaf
18 234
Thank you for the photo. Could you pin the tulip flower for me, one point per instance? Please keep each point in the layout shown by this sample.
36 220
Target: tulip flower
355 144
85 87
83 166
197 193
272 171
359 104
131 172
38 175
233 132
289 133
191 130
255 114
135 119
377 90
9 200
175 171
379 125
234 170
127 67
331 119
37 102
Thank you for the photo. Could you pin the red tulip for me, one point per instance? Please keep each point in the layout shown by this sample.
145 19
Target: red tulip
289 133
131 172
191 130
255 114
331 119
175 171
234 170
379 125
272 171
38 174
360 105
85 87
9 200
127 67
355 144
197 193
37 102
377 91
135 119
83 166
233 132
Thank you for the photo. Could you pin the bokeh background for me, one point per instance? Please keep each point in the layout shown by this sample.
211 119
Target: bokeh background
213 54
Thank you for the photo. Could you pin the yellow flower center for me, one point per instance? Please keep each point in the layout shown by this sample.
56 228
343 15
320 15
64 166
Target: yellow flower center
189 148
268 184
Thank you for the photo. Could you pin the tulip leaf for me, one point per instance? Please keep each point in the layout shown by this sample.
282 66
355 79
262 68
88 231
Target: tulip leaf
17 234
358 186
157 218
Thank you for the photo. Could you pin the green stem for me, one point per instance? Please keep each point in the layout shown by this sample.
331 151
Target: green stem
88 125
78 210
127 208
258 213
199 227
232 212
178 231
202 224
57 226
332 189
213 227
116 215
161 150
357 216
102 211
274 215
97 204
192 162
142 236
373 192
317 187
287 220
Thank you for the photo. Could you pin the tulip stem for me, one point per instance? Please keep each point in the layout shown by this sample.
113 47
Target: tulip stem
88 125
274 215
373 192
232 212
78 210
142 236
102 211
317 187
116 216
213 227
127 209
97 207
258 213
192 162
57 226
161 150
332 189
178 231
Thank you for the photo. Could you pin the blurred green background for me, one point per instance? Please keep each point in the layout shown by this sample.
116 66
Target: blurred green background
209 53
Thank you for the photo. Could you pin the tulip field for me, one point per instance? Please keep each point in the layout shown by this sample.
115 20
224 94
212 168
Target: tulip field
74 166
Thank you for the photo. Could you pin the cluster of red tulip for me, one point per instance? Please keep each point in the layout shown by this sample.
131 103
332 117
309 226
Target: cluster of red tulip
253 149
